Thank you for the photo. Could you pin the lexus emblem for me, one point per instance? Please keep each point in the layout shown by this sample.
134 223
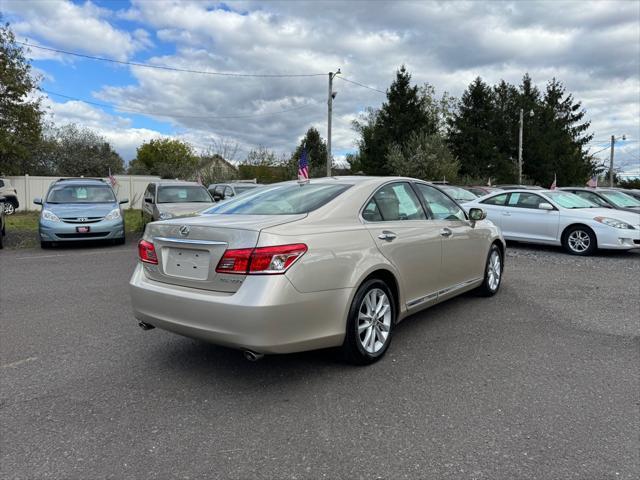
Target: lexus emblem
184 230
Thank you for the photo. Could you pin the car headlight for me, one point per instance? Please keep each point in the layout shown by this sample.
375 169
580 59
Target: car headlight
49 215
113 214
612 222
165 215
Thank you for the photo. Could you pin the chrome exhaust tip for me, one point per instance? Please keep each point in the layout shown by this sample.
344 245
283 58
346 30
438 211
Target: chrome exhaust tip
145 326
252 356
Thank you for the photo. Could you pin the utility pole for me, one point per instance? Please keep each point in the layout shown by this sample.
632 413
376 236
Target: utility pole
613 143
520 148
332 95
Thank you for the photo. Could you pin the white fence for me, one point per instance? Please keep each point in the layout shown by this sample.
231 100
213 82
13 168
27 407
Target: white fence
128 186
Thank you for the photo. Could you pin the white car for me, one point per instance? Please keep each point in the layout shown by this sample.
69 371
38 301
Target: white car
560 218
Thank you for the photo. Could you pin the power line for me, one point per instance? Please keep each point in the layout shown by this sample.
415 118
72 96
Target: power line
171 115
173 69
361 84
606 148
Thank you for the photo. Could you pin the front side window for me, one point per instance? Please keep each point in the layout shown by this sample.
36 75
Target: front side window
525 200
497 200
183 194
394 202
441 206
283 199
81 194
592 197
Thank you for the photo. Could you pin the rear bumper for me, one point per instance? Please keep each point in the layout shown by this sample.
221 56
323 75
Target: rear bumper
267 314
66 232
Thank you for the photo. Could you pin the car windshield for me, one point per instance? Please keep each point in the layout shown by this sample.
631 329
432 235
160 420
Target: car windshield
81 194
460 193
284 199
183 194
570 200
621 199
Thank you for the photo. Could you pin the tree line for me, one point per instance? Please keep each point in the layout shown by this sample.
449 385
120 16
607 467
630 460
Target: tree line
413 133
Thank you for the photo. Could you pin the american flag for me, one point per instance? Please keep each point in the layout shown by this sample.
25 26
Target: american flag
554 185
112 180
303 166
593 182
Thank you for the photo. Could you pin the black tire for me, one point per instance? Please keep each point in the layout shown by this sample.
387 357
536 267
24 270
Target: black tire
489 286
352 348
119 241
579 240
45 245
2 239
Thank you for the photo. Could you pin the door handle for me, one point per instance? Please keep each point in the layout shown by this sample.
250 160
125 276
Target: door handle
387 235
445 232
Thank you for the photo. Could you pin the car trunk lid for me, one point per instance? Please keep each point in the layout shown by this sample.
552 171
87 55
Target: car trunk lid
189 249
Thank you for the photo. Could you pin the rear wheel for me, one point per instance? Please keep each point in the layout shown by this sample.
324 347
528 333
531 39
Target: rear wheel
370 324
9 208
579 240
492 272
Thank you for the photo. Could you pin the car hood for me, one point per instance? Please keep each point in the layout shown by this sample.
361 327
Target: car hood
184 209
630 217
80 209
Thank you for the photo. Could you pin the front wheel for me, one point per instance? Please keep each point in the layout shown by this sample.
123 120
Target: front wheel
579 240
492 272
370 324
9 208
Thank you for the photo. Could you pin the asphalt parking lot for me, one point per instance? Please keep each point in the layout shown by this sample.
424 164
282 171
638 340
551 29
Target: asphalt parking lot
540 381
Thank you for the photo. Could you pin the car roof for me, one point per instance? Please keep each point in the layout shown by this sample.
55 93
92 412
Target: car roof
80 181
174 183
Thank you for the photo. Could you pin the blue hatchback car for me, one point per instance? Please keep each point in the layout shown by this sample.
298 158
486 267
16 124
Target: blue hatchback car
80 209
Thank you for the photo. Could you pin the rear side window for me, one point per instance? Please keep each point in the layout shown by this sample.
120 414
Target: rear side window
497 200
394 202
287 199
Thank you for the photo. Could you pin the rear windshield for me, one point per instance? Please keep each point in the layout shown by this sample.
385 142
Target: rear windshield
81 194
287 199
183 194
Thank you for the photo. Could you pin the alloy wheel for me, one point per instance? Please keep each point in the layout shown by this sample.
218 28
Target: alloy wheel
9 209
579 241
494 270
374 320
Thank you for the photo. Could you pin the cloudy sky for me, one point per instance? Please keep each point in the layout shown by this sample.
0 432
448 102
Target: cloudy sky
593 47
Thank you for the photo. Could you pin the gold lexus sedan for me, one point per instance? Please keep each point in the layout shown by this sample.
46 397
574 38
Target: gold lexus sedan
334 262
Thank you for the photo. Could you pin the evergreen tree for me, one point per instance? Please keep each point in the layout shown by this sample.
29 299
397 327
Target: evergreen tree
504 129
470 135
316 154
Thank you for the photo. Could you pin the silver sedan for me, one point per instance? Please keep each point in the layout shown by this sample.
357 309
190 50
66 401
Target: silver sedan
334 262
560 218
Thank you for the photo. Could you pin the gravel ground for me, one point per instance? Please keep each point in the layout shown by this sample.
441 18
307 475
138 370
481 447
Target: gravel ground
540 381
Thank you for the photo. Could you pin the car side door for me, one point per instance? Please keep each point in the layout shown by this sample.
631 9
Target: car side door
398 225
464 243
494 206
523 219
148 200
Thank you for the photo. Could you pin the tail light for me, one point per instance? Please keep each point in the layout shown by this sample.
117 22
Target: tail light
261 260
147 252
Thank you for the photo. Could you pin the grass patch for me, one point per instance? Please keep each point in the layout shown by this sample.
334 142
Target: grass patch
28 221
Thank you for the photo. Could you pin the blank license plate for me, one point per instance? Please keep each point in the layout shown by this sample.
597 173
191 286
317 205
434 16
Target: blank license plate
187 263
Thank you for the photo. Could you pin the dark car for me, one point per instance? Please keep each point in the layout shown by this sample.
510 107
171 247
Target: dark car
224 191
606 197
481 190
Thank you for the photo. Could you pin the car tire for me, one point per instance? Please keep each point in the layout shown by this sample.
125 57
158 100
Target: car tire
2 239
493 271
45 245
359 347
9 208
579 240
119 241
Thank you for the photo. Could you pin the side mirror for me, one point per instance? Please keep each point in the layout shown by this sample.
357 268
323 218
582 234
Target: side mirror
124 200
477 214
545 206
217 198
37 201
148 200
